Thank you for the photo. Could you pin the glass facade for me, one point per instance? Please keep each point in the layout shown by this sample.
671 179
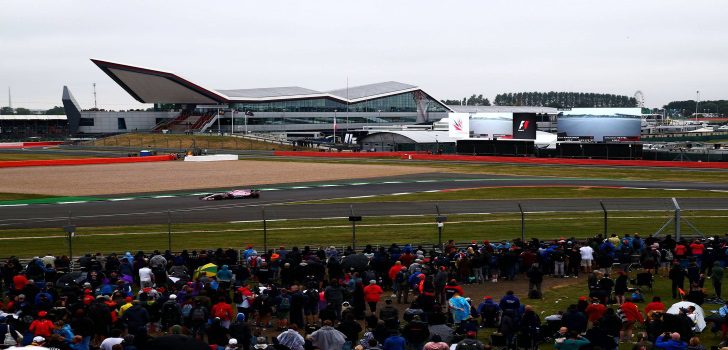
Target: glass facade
396 103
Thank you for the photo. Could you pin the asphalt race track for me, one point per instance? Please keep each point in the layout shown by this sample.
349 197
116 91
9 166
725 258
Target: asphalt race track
278 203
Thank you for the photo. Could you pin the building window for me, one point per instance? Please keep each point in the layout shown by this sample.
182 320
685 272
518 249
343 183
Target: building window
121 123
86 122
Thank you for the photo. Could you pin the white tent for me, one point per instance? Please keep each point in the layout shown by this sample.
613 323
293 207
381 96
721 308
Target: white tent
700 322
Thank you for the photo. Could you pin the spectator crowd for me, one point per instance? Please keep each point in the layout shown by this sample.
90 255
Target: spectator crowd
390 298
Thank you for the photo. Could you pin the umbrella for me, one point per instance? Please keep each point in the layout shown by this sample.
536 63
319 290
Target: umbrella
700 322
71 278
355 262
209 270
175 342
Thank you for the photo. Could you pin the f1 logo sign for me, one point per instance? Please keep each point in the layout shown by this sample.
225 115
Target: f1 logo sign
523 125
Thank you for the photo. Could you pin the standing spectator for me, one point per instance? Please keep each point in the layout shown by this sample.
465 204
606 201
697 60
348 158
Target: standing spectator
632 315
535 279
41 326
620 287
372 295
510 301
394 341
327 337
291 338
595 310
677 276
716 276
171 313
416 332
146 277
459 307
224 311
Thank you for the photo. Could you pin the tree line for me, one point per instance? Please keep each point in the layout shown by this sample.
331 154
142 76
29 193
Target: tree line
564 99
687 108
24 111
469 101
549 99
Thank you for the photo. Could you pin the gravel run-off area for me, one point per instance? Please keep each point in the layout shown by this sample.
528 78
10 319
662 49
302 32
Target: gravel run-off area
107 179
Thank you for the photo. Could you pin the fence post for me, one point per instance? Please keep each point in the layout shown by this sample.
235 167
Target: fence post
677 219
265 233
440 219
523 223
71 232
353 218
604 209
169 230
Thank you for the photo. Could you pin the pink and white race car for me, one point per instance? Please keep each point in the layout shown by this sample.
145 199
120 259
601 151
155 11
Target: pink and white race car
234 194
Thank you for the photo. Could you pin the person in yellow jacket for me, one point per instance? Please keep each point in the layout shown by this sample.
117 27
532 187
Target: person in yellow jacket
123 308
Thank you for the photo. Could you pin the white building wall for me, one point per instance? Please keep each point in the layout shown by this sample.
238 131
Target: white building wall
107 122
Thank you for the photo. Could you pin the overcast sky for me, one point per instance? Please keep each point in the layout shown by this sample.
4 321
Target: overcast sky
666 49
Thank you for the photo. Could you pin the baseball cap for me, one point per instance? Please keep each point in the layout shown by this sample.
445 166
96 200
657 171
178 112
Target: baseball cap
38 339
471 334
42 313
172 296
233 341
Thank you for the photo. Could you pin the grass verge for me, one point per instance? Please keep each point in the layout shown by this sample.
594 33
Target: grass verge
530 192
625 173
38 156
382 230
184 142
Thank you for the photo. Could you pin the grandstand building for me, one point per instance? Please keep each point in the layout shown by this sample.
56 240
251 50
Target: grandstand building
190 107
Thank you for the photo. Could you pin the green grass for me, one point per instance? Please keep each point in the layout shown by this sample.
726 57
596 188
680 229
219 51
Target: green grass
528 192
324 232
186 142
625 173
38 156
558 299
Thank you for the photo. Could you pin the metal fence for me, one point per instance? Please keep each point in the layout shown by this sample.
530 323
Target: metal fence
176 230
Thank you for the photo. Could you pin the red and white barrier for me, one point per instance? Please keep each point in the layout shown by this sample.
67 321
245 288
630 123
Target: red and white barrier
21 145
83 161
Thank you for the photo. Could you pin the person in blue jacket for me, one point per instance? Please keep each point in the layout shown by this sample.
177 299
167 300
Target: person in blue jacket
669 341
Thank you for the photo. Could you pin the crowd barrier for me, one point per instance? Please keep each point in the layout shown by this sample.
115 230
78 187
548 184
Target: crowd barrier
83 161
19 145
344 154
570 161
503 159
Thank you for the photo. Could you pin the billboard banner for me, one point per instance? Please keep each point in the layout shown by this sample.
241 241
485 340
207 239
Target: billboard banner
459 125
524 126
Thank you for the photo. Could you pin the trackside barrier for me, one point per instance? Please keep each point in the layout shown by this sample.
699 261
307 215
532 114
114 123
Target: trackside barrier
11 145
84 161
569 161
344 154
494 159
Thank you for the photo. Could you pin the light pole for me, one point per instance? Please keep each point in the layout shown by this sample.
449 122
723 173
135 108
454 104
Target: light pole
697 103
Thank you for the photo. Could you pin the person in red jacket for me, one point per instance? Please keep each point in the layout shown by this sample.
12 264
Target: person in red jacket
41 326
372 295
392 274
224 311
632 315
595 310
655 305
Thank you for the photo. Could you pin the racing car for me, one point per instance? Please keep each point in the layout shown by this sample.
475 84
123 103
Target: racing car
234 194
